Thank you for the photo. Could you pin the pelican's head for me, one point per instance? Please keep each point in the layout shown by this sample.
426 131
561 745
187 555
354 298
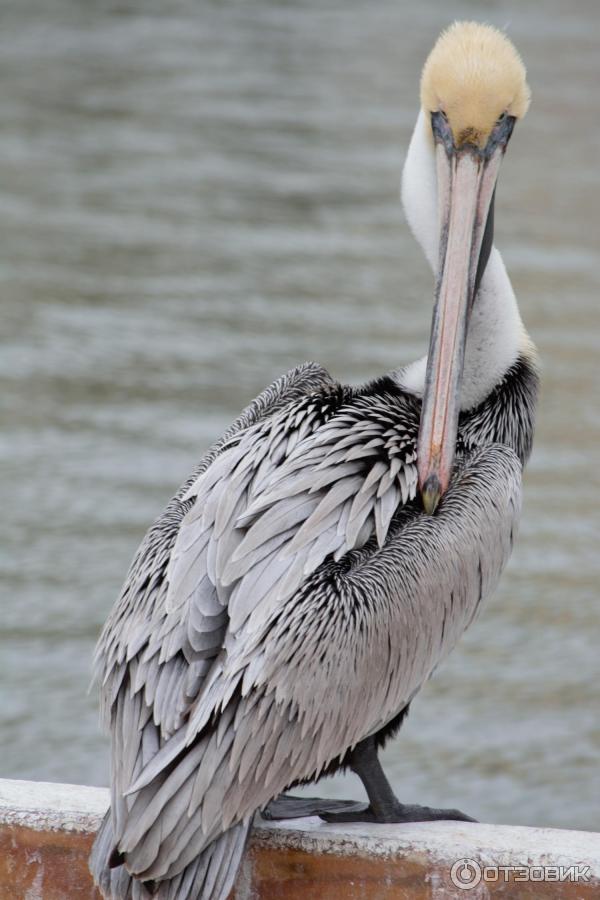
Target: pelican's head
474 77
473 89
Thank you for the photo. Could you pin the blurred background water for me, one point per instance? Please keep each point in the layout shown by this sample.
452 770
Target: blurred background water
193 198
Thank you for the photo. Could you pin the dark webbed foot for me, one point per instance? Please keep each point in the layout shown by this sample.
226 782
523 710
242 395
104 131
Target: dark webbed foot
398 812
286 806
383 806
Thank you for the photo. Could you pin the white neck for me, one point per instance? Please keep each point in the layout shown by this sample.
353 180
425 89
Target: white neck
496 334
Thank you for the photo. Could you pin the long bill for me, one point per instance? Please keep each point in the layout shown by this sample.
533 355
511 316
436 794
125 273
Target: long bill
466 182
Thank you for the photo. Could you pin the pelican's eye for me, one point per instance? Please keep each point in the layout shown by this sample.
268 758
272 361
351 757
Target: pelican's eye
501 118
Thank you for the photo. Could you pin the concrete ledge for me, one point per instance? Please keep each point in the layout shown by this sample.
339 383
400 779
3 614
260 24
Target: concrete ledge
46 832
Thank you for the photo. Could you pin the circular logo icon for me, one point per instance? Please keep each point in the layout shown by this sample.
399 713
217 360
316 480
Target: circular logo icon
465 874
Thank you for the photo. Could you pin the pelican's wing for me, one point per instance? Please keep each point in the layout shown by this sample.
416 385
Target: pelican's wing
149 683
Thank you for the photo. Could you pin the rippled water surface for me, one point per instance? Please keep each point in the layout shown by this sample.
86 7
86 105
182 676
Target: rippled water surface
193 201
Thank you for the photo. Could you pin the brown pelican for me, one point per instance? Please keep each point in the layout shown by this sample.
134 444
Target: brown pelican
328 552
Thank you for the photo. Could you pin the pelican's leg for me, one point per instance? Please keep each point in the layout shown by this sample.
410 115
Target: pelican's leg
383 804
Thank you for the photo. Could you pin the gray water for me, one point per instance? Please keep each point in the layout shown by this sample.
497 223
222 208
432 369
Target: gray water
193 198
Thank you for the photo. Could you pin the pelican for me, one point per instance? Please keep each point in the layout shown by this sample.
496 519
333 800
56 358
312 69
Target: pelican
330 549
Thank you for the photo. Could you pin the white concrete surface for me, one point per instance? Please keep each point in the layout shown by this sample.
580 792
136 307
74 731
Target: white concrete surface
42 805
70 807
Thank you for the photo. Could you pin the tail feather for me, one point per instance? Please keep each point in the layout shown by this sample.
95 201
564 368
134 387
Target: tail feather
210 876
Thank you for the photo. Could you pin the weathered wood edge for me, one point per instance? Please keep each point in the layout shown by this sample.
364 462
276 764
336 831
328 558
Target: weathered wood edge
71 807
407 858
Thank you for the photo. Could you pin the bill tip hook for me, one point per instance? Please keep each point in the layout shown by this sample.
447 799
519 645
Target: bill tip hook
431 493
